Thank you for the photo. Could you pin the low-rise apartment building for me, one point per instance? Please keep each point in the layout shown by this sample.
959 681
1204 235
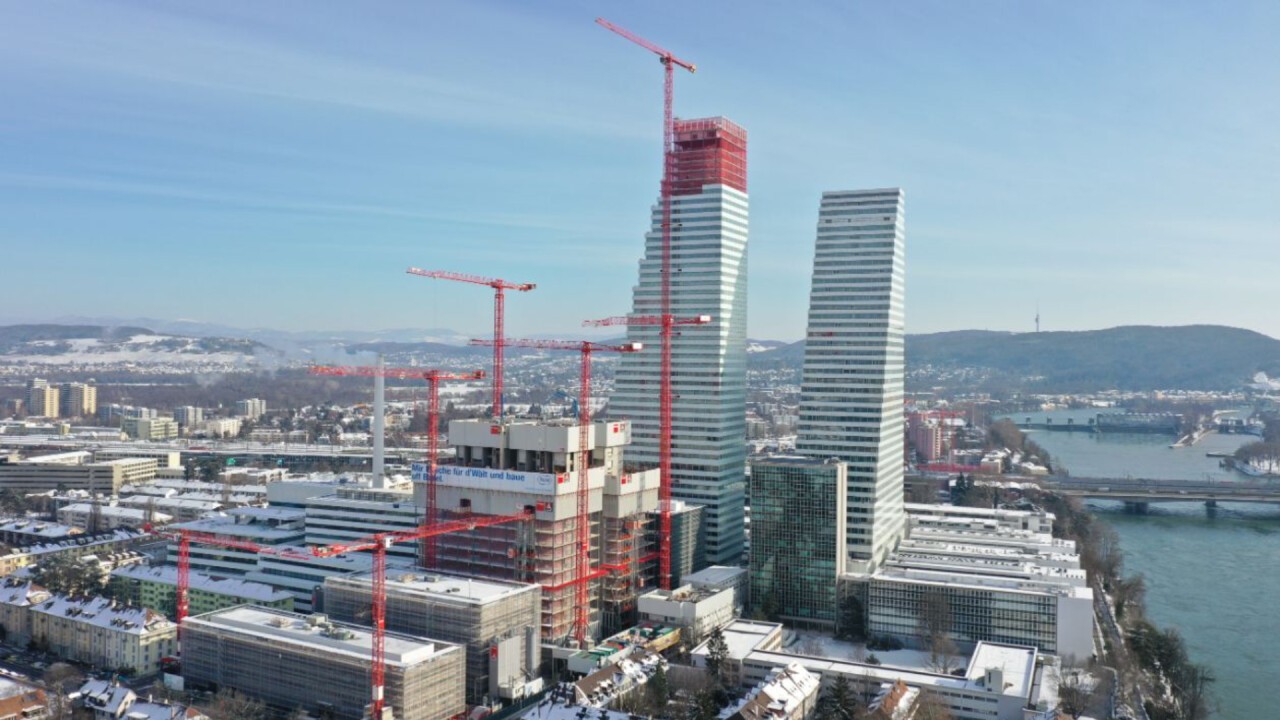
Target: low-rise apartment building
156 588
99 632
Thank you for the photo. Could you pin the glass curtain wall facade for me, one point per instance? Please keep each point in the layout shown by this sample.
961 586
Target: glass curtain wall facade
797 539
852 390
709 277
1003 616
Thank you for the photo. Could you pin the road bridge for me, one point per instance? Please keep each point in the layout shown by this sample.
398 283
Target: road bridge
1138 493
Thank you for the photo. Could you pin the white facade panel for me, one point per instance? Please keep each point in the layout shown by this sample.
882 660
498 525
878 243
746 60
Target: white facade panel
709 257
852 392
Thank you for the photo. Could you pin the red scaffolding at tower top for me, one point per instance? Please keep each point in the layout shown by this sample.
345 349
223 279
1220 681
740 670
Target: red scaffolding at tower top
708 151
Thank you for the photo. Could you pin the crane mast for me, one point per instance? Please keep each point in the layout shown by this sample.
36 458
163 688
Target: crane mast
669 63
433 378
582 525
500 287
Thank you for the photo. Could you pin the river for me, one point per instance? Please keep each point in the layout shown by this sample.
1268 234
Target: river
1215 577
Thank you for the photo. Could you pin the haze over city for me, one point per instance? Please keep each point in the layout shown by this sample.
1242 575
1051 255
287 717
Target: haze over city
279 164
294 426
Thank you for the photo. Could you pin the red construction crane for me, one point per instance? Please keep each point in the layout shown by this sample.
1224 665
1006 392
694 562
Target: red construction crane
664 433
499 294
378 543
582 529
433 379
669 63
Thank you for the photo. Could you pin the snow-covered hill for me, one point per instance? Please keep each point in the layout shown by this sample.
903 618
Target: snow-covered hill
89 346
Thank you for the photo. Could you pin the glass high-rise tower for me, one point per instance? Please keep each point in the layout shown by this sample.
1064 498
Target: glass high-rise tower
852 391
709 277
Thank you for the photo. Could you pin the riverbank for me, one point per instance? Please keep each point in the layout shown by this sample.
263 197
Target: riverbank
1210 573
1158 678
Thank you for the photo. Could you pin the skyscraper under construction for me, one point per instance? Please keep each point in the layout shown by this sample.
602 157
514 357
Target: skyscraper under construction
709 277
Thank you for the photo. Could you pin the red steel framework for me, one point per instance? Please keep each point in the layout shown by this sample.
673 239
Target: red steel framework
499 303
582 528
669 63
378 543
433 379
664 483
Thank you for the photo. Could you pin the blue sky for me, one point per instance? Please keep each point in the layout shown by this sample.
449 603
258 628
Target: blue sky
279 164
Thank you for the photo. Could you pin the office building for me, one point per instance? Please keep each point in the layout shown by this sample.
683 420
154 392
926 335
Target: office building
221 427
696 611
1002 574
289 660
149 429
15 407
164 458
497 623
798 549
688 548
852 389
261 526
74 470
1001 682
42 399
251 409
709 277
188 416
78 400
353 513
106 413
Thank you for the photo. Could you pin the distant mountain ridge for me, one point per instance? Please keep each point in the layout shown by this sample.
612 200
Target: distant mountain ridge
51 344
1132 357
1137 357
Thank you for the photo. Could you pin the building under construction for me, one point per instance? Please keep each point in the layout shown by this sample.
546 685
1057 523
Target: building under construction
294 661
502 468
497 621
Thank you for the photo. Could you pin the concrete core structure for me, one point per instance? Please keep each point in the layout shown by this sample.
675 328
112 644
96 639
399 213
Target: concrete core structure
506 468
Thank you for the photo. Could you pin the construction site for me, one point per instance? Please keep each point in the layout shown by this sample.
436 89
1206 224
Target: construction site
531 538
501 468
497 622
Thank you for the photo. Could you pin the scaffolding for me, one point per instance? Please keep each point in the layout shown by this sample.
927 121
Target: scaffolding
289 661
478 615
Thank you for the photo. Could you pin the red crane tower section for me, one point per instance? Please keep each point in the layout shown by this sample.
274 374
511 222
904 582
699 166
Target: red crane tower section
433 379
664 482
582 529
669 63
378 543
499 302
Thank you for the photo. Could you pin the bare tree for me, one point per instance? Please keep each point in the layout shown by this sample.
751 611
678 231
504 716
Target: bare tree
931 707
1129 593
935 630
1078 689
229 704
61 679
1191 690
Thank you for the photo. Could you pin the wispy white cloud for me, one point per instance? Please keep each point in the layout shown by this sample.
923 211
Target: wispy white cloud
139 43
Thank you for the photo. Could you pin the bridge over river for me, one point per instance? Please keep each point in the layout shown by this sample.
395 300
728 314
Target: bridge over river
1137 493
